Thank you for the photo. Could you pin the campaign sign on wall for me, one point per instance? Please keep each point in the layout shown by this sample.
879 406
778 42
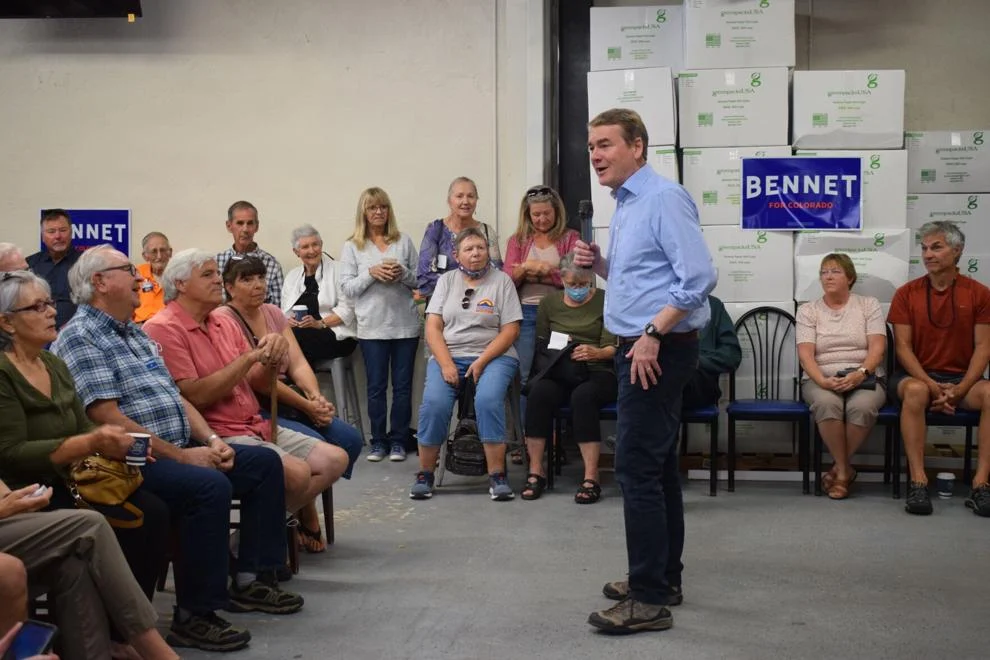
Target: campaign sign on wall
91 227
794 194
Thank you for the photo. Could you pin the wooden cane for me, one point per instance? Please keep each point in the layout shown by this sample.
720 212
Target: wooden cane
273 405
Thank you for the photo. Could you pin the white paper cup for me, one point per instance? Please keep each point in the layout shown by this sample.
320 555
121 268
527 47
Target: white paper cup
138 453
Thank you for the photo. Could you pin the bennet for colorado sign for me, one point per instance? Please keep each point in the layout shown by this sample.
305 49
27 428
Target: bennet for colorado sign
802 193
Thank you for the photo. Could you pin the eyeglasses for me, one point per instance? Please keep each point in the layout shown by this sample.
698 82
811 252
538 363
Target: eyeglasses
466 301
539 191
41 307
378 207
126 267
832 271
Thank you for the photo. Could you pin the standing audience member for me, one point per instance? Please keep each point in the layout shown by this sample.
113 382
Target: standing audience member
436 253
378 273
53 263
156 251
718 353
242 223
76 557
841 341
121 380
942 335
661 274
214 367
471 323
584 380
326 331
11 258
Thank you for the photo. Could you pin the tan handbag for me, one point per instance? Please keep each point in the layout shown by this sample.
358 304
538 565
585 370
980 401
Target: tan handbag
104 481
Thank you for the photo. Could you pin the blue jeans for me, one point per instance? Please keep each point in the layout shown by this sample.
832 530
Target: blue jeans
489 400
199 499
379 356
337 432
646 469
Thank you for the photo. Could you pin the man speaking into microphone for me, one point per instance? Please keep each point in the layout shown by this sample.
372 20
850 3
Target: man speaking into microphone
659 275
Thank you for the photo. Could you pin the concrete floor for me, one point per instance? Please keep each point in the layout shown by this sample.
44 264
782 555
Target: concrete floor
769 574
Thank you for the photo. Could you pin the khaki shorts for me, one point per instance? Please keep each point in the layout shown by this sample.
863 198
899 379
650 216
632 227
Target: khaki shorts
289 442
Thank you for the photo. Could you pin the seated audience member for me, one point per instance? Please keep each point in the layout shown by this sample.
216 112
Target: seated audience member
11 258
471 323
74 555
302 407
584 379
44 428
53 263
326 331
841 341
718 353
122 381
242 223
210 361
156 252
942 334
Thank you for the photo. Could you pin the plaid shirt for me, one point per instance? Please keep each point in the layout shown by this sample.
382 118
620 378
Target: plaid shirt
115 361
273 272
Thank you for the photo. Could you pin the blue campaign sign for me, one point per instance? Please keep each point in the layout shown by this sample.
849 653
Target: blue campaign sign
792 194
92 227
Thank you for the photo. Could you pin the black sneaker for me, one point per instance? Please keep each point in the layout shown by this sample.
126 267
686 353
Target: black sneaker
979 500
263 596
918 501
208 632
632 616
619 590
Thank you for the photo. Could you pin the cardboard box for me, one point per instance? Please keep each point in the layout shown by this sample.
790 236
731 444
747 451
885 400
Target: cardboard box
884 185
880 256
848 109
663 159
719 34
650 92
733 107
948 161
752 265
971 213
637 37
714 179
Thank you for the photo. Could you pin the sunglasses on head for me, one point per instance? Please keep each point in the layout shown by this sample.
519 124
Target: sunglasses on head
540 191
466 301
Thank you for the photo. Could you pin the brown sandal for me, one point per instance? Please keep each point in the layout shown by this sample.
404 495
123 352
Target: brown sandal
839 489
829 478
310 540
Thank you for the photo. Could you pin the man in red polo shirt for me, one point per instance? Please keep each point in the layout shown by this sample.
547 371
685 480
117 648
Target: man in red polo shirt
942 337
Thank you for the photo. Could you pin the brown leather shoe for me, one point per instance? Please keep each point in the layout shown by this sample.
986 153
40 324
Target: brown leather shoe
632 616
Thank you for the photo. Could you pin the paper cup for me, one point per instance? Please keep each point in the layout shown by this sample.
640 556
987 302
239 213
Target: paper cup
944 484
138 453
299 311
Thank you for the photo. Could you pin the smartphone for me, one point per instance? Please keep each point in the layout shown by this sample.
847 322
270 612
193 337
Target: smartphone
34 638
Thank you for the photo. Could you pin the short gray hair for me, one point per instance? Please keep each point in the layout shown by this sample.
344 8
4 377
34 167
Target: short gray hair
304 231
150 235
954 237
10 290
8 250
567 265
181 267
465 234
90 262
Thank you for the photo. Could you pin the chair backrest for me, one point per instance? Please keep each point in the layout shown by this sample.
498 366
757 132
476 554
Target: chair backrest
769 368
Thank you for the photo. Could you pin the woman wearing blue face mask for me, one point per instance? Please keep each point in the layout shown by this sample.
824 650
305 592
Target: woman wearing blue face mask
585 379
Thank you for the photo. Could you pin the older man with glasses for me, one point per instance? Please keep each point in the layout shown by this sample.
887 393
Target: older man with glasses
156 251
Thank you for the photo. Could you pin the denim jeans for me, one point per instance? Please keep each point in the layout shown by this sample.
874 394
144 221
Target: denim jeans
646 469
489 400
199 499
380 357
337 432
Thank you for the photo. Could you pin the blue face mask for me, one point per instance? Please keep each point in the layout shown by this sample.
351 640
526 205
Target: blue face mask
474 274
577 293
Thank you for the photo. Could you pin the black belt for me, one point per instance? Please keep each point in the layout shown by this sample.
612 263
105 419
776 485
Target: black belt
691 335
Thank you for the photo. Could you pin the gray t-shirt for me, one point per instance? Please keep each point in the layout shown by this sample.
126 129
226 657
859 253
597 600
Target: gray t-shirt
493 303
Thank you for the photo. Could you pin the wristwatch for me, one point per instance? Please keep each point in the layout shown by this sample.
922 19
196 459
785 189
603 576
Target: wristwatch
651 331
864 371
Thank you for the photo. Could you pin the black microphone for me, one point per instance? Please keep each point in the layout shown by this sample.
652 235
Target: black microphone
585 213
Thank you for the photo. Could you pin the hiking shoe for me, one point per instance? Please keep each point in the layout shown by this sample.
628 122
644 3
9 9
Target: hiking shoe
422 488
979 500
208 632
498 487
619 590
632 616
918 501
262 596
377 453
397 453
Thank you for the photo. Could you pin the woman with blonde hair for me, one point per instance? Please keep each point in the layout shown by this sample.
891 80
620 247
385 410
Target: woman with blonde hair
378 274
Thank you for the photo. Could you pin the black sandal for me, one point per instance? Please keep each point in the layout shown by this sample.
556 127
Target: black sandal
311 540
588 494
535 484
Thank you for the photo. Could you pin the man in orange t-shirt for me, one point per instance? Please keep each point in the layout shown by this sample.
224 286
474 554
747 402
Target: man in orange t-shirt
156 252
942 336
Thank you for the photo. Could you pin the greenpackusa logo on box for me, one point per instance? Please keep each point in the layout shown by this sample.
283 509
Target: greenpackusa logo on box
978 138
872 80
972 202
879 239
973 266
761 237
661 16
875 162
754 79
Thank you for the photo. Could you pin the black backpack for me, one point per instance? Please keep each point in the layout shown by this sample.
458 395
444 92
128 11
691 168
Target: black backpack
465 453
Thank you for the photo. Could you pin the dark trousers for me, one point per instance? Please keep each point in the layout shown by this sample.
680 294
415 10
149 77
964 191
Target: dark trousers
585 400
646 468
701 390
199 499
380 357
318 344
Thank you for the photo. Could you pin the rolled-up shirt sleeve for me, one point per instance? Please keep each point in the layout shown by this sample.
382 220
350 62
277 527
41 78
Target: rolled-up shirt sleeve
680 236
